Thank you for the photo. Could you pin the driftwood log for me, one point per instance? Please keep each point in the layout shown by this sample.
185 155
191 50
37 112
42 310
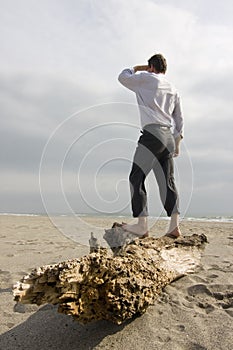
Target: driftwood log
112 285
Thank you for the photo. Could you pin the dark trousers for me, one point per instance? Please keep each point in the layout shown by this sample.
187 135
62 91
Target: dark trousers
154 152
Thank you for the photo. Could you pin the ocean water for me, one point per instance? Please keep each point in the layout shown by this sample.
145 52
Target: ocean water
202 218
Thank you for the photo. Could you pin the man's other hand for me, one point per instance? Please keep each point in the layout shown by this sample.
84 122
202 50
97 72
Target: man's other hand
177 146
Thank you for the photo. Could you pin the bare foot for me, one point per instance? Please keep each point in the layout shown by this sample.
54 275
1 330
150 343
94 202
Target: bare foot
137 229
174 233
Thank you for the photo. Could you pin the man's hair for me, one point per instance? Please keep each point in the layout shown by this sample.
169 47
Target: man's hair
158 62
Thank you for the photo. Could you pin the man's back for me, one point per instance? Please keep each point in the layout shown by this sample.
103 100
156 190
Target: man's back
157 95
157 98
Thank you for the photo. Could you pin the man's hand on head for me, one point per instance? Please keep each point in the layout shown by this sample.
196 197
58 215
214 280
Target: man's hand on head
141 68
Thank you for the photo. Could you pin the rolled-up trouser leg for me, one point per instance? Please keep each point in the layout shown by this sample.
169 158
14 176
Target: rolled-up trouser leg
138 191
142 165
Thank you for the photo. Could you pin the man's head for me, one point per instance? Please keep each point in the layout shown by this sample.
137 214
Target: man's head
157 64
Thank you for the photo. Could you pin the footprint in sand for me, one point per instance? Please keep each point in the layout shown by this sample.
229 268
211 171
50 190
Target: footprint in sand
231 241
228 268
21 226
201 294
22 309
2 272
5 290
212 276
10 324
180 327
5 279
196 346
22 273
212 297
229 312
198 289
223 294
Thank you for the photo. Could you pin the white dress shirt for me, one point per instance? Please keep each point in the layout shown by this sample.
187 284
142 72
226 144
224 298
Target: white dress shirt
158 100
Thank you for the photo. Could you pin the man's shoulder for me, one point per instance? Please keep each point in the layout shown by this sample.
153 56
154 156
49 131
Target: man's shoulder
158 80
164 80
149 77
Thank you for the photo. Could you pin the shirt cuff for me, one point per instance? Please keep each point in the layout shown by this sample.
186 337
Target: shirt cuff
176 134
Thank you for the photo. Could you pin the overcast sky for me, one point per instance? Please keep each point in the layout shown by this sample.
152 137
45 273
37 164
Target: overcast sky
60 98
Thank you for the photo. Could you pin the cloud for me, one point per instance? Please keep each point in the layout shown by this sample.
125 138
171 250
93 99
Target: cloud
59 58
207 12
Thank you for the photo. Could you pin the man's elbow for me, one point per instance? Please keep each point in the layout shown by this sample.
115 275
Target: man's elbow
122 80
119 78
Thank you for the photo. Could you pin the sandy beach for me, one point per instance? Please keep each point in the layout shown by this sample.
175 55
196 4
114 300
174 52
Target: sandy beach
193 313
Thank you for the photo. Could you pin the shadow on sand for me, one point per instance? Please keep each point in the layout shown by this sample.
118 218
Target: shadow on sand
47 329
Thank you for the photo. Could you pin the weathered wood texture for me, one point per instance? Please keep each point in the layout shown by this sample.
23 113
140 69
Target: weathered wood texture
112 286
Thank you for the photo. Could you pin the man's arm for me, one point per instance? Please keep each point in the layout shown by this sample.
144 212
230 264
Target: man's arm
177 145
141 68
129 79
179 125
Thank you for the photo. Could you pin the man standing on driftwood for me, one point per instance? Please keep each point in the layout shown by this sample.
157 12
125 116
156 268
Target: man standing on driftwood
160 110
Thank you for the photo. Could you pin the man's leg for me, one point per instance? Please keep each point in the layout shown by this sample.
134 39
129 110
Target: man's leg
142 164
138 191
174 229
164 173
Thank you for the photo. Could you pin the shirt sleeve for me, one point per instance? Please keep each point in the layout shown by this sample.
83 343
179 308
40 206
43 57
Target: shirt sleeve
129 79
177 116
